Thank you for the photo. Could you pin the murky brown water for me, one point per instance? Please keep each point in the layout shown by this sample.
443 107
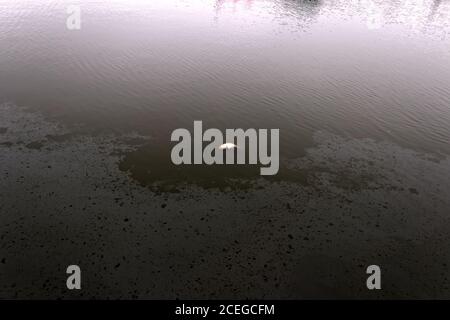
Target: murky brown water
356 68
359 90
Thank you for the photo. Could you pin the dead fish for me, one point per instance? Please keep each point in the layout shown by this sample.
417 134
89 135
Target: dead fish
227 146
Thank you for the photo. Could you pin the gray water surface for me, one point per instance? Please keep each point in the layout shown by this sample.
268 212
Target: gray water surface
360 91
356 68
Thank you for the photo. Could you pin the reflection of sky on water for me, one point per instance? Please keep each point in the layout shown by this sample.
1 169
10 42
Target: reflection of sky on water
419 15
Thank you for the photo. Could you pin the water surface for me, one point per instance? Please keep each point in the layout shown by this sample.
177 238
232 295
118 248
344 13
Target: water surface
356 68
359 90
